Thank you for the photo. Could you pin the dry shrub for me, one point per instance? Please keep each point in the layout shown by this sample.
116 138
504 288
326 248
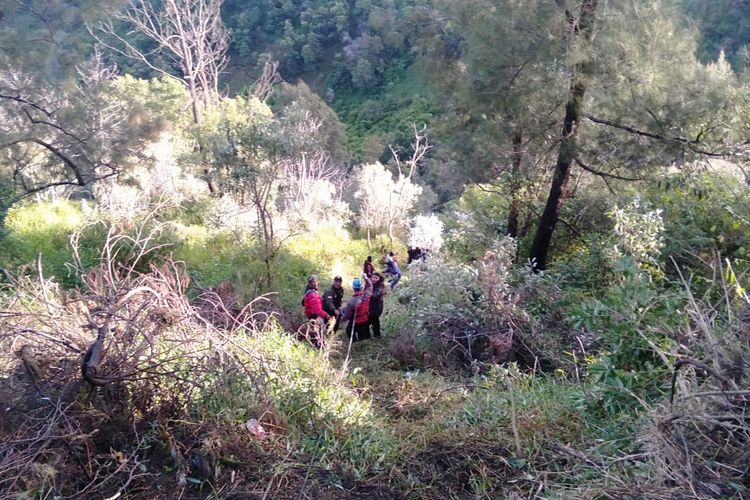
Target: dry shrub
700 442
91 374
457 318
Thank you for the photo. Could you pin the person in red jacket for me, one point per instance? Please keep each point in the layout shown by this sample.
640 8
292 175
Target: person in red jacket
315 313
357 310
312 301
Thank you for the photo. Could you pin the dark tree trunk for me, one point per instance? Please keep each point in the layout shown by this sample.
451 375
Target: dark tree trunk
515 184
568 148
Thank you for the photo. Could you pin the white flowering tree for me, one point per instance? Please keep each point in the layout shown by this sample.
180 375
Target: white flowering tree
427 233
384 202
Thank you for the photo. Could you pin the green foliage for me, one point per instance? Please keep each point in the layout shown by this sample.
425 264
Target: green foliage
449 315
213 257
640 233
299 104
724 28
638 325
300 389
437 304
474 221
49 38
704 215
162 100
44 229
373 122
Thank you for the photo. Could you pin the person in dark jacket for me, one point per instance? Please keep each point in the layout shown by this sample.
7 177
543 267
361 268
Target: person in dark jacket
368 268
357 310
376 303
333 298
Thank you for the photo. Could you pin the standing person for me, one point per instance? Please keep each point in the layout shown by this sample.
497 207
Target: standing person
395 273
333 298
314 309
368 268
389 261
376 303
357 310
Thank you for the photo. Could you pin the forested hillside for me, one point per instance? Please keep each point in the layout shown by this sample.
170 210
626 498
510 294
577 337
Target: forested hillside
374 249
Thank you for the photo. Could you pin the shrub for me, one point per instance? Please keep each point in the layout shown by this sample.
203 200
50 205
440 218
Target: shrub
637 328
473 222
44 229
703 216
453 316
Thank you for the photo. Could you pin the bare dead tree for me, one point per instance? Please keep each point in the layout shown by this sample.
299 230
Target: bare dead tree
189 32
263 86
406 169
300 176
149 351
420 146
94 71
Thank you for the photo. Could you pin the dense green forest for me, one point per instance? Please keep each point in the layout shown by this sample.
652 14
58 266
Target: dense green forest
181 181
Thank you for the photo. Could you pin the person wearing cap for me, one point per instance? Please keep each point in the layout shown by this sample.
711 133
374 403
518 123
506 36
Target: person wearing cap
357 310
333 298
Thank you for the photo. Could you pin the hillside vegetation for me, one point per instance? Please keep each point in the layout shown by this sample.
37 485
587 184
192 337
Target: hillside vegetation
174 173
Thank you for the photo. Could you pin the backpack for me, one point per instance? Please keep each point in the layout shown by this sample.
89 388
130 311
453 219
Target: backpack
362 311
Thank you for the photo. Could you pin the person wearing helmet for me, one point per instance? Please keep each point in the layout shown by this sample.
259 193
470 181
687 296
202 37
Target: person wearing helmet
357 310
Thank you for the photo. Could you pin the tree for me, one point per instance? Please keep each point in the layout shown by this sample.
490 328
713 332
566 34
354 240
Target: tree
67 138
649 103
579 30
46 38
189 32
634 97
238 144
492 59
383 202
427 233
405 193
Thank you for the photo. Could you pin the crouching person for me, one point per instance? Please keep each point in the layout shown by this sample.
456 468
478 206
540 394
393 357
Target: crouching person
357 310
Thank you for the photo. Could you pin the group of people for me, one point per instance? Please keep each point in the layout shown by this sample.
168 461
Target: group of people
392 269
361 313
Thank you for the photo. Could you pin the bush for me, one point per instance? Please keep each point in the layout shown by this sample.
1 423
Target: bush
636 326
453 316
45 229
703 216
473 222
